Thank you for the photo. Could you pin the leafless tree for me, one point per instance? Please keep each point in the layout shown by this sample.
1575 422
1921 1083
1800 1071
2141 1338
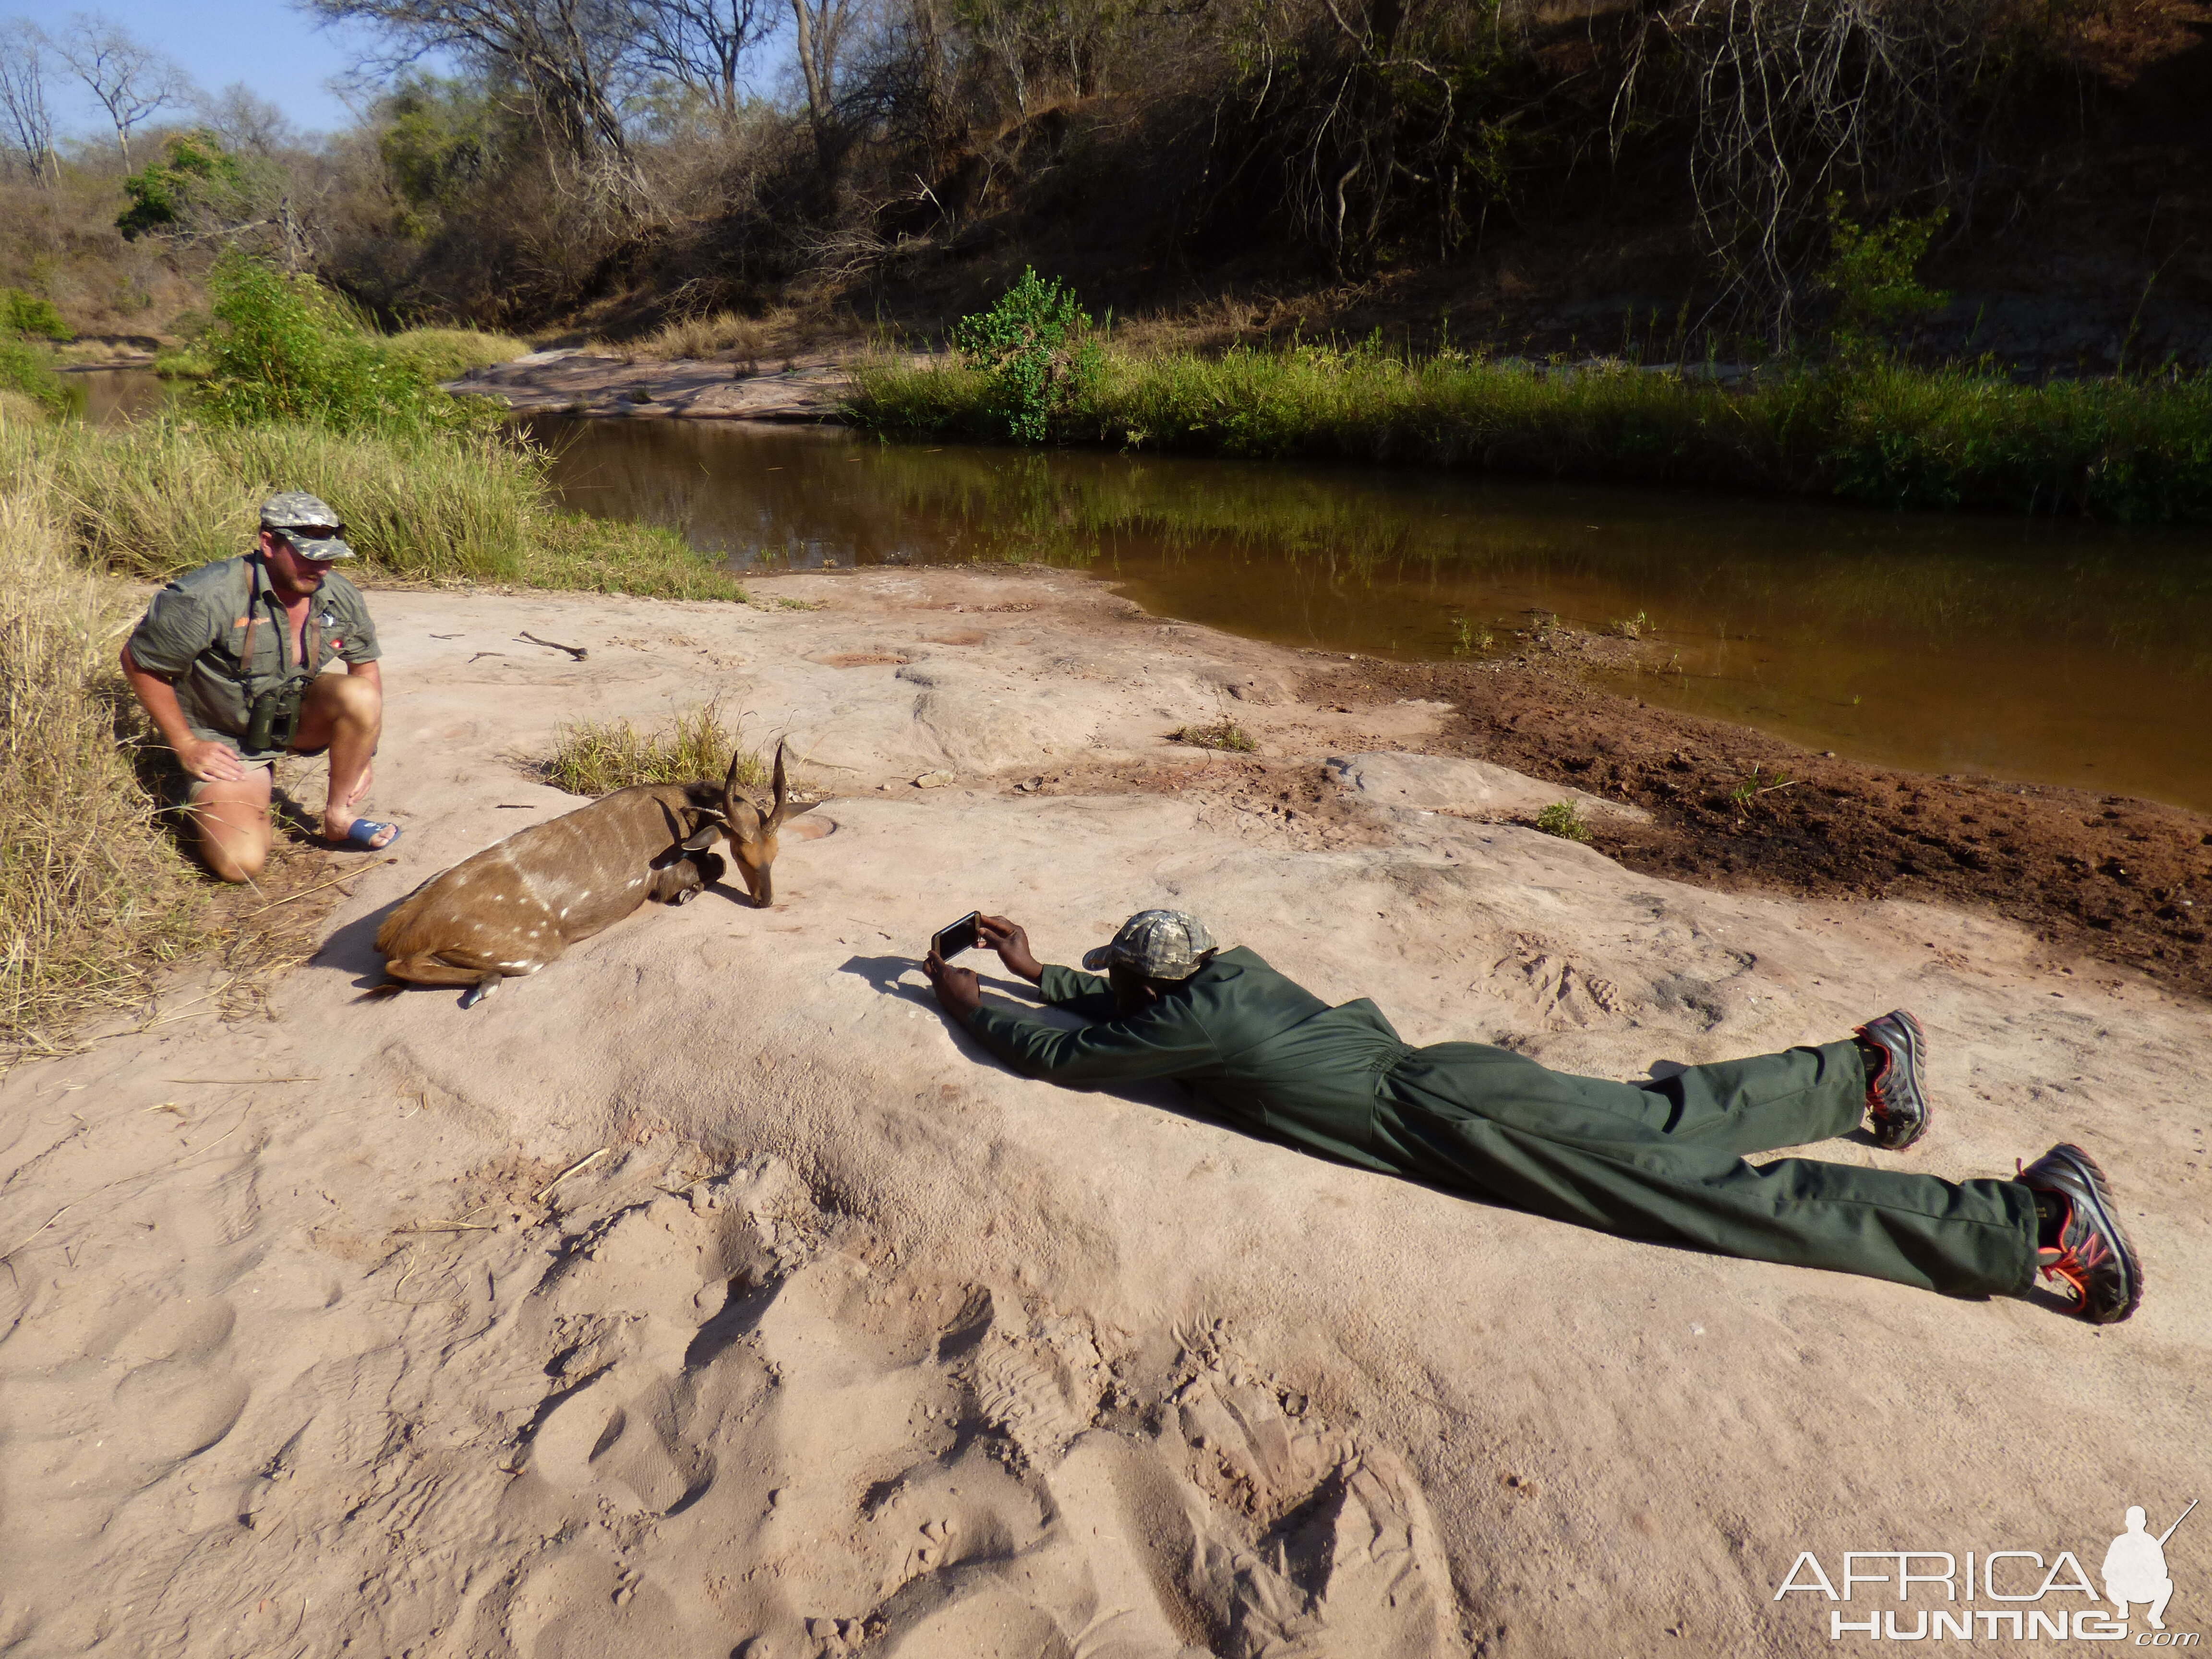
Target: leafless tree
823 28
130 78
246 122
1795 99
30 125
702 45
571 57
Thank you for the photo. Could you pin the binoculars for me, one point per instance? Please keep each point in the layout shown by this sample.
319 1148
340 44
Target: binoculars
274 719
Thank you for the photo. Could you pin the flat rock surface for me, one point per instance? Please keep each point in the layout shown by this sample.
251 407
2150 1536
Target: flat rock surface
1477 788
806 388
707 1293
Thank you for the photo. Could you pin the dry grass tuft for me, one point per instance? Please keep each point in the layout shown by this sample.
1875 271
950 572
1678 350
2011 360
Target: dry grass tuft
1218 734
596 758
165 494
777 333
94 898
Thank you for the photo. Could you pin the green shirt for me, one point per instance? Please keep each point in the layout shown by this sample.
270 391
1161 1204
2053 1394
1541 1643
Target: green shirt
1248 1044
195 633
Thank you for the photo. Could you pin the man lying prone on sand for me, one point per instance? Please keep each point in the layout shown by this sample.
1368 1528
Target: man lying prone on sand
1658 1160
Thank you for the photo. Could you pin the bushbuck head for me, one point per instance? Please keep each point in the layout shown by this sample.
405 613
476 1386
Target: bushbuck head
751 827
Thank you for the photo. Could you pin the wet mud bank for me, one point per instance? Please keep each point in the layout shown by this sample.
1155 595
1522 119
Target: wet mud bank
2124 881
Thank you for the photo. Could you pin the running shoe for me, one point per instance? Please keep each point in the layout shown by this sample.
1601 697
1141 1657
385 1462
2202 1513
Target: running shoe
1898 1112
2093 1254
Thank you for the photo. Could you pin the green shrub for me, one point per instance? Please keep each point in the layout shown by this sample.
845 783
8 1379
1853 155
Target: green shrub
195 171
1871 271
1560 818
29 372
27 316
283 349
1035 349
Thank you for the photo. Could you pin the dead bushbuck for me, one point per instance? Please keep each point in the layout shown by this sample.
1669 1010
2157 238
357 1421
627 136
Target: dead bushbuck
516 906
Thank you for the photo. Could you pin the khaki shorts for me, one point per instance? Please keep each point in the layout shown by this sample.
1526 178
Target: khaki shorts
182 789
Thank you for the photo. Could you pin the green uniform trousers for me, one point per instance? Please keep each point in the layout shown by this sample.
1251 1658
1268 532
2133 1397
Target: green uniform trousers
1661 1160
1665 1160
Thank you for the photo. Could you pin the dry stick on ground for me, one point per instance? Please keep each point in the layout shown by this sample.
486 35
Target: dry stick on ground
576 651
450 1227
35 1231
539 1197
349 876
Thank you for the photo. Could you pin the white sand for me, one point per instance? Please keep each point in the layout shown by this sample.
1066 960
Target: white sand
852 1339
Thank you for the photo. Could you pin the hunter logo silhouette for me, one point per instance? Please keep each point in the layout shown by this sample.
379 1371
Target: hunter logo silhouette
2135 1567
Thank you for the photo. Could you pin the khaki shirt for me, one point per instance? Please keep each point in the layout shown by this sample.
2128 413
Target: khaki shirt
195 635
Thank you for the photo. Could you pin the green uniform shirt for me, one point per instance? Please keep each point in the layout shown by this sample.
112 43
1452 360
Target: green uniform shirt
1248 1042
195 633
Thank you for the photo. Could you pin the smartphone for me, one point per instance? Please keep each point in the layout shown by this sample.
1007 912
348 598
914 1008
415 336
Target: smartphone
950 942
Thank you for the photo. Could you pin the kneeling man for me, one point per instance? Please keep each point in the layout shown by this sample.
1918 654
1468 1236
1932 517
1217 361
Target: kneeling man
229 663
1659 1160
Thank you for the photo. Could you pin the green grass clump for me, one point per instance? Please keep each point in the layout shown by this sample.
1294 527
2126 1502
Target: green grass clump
1220 734
1561 818
1872 428
593 757
183 363
432 354
94 897
168 493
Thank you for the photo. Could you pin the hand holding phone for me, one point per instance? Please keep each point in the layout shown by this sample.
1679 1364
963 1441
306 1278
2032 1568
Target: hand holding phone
963 935
1009 940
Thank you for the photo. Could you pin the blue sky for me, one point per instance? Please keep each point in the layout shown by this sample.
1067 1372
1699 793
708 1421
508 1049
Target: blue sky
283 55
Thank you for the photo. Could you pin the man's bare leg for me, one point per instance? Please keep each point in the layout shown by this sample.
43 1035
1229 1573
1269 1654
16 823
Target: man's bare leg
346 713
231 818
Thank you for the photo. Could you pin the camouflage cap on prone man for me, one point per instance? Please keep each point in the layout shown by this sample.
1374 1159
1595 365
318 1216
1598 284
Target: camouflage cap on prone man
307 523
1157 944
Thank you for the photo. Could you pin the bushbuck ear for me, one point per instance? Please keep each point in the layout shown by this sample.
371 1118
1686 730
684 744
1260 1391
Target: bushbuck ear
701 841
734 798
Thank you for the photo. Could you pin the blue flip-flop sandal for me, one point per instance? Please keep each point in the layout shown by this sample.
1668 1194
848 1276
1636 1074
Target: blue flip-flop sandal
361 837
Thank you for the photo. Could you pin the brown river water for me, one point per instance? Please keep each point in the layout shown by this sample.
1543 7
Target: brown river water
2027 649
2056 652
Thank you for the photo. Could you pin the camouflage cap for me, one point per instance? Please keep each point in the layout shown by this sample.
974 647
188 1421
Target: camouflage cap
297 514
1157 944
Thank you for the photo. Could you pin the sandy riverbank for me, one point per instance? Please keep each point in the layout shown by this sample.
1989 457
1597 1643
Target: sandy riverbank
846 1337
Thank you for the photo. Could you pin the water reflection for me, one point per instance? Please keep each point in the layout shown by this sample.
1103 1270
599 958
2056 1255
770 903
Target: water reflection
2062 652
109 396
